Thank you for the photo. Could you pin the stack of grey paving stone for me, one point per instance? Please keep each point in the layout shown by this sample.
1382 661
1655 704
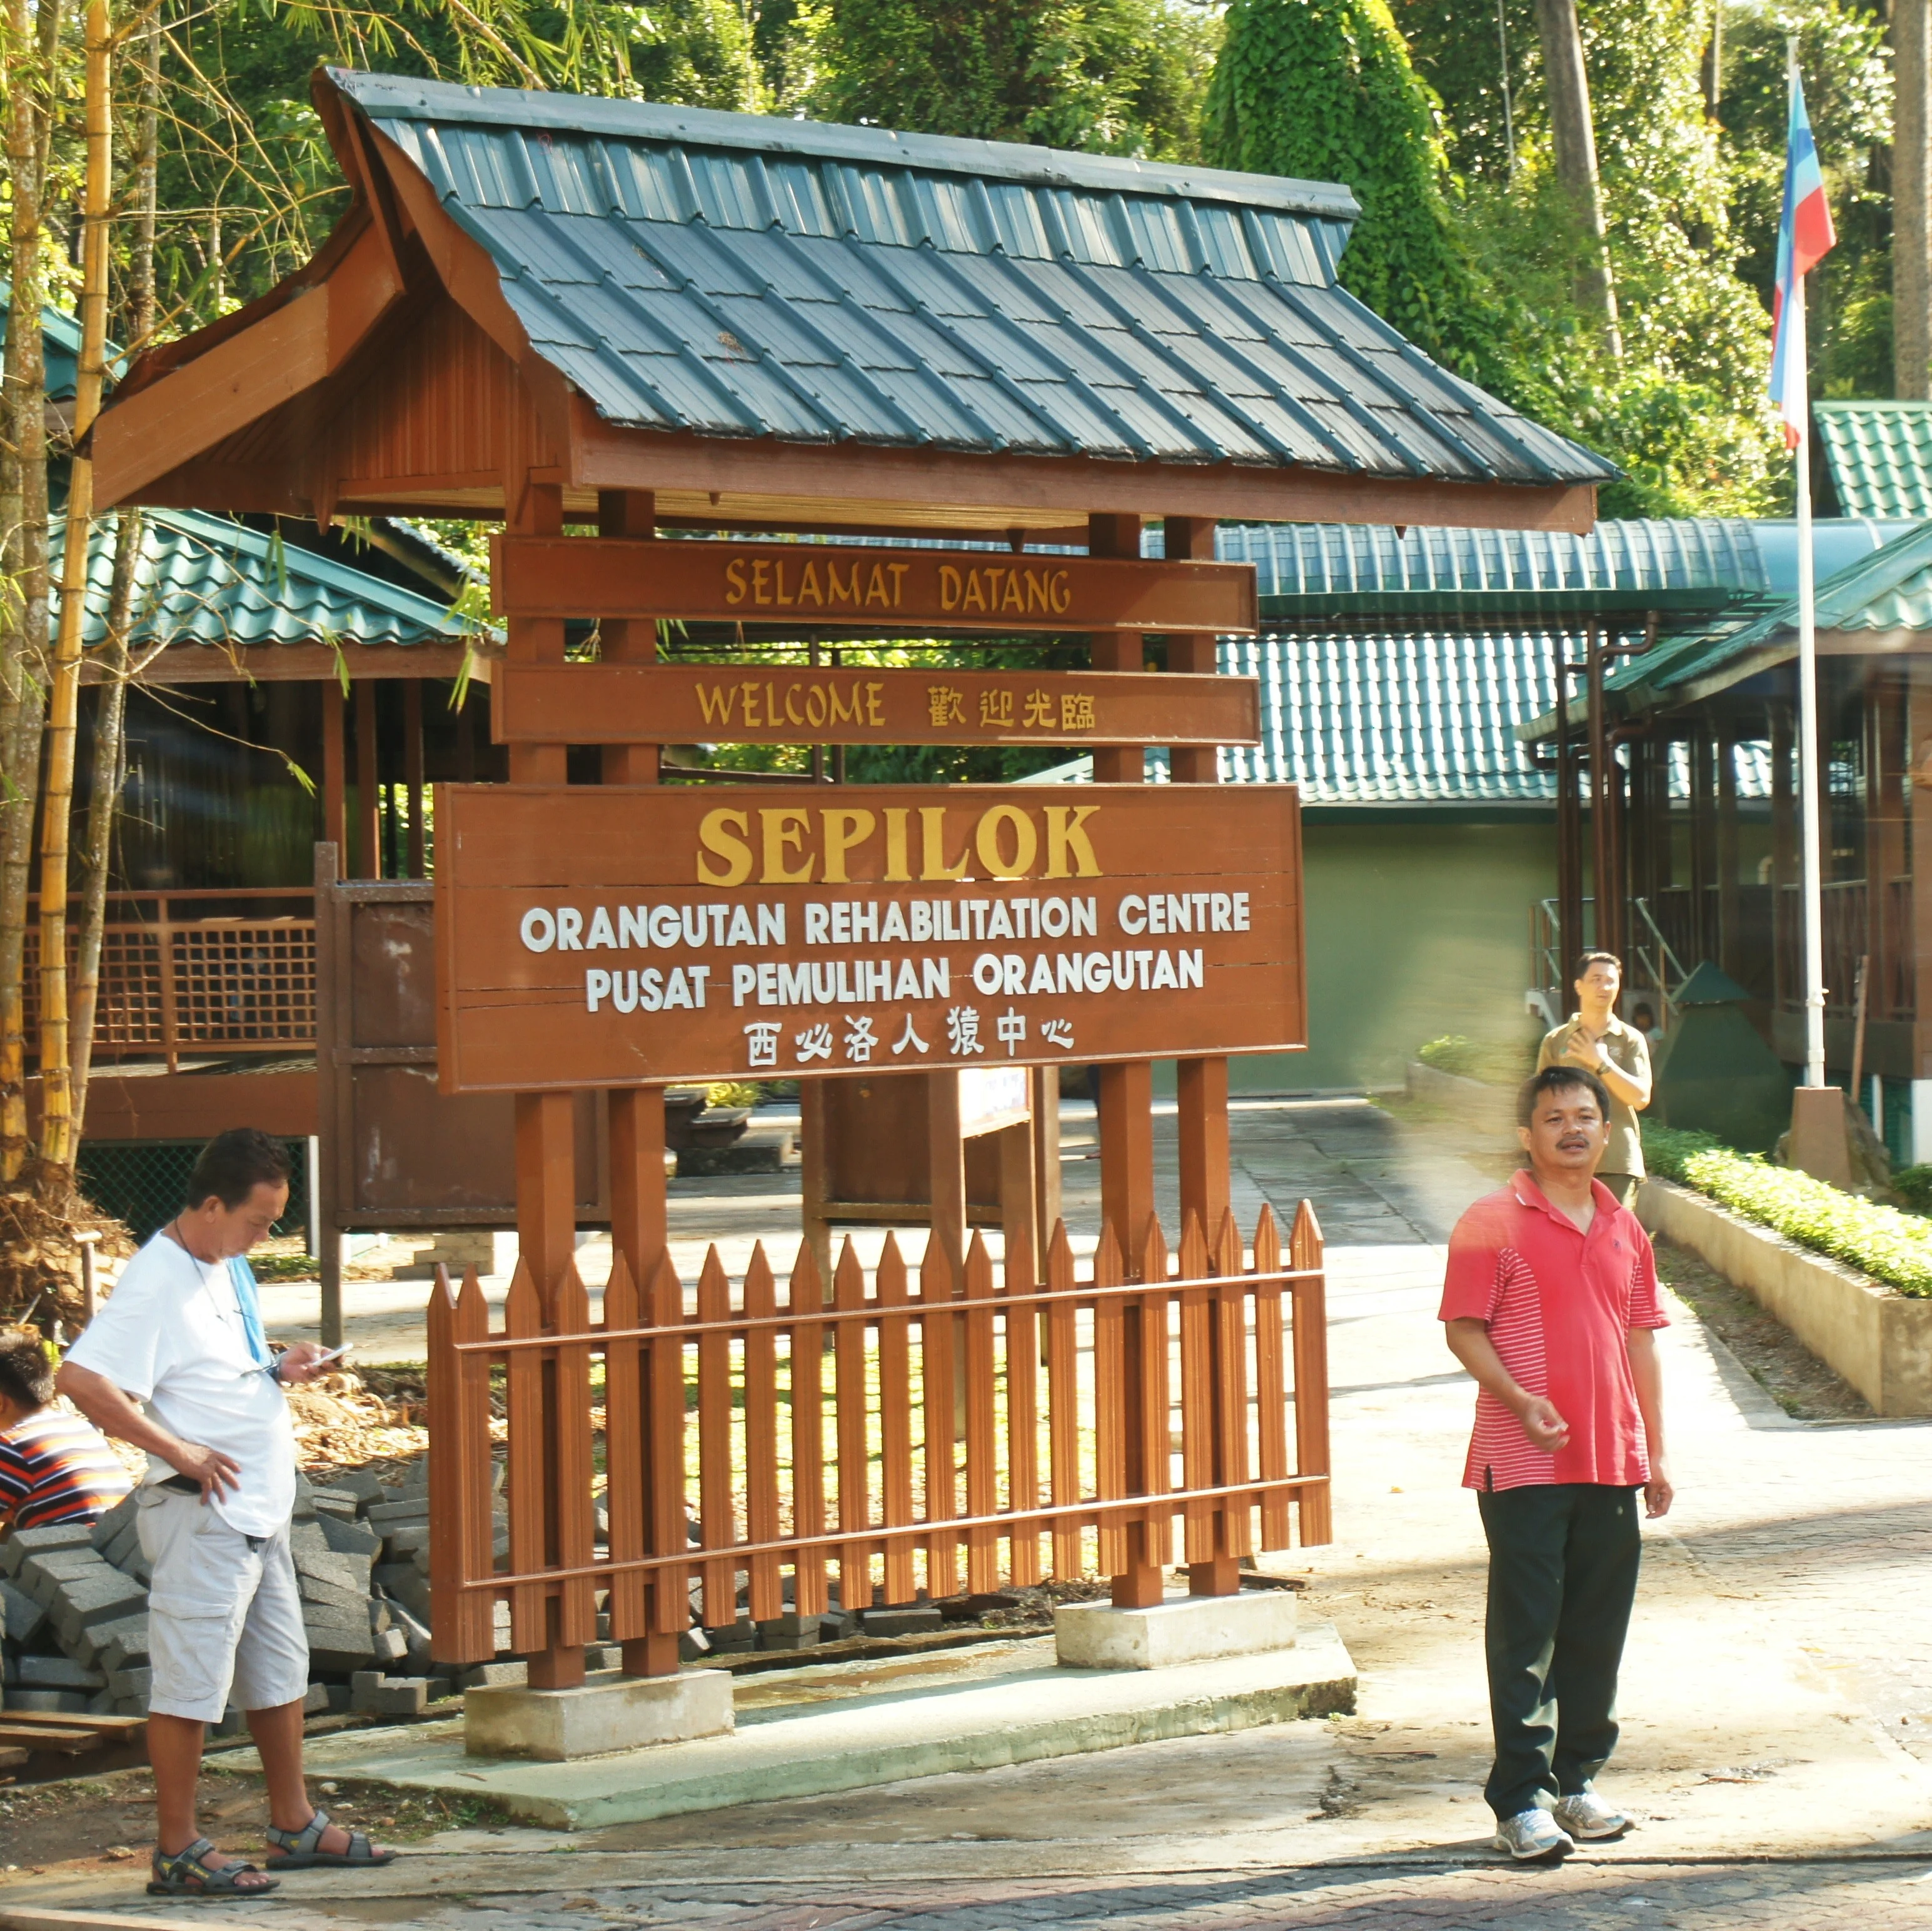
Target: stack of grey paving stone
74 1606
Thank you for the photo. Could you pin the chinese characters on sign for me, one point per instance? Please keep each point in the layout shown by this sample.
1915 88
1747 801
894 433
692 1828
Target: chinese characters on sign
692 703
602 937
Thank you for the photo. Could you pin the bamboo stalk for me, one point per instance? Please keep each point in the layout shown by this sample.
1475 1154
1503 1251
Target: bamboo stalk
57 1133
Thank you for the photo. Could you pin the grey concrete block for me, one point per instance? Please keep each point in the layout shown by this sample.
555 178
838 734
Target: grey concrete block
25 1542
307 1535
911 1619
122 1645
350 1536
56 1673
362 1483
125 1682
121 1551
21 1619
381 1614
344 1605
405 1539
393 1696
315 1702
403 1583
101 1703
604 1656
383 1516
337 1647
233 1724
131 1706
338 1698
415 1479
118 1518
335 1501
497 1676
391 1646
74 1700
42 1574
82 1601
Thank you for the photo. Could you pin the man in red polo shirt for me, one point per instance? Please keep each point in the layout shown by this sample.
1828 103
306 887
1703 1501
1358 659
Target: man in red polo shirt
1550 1302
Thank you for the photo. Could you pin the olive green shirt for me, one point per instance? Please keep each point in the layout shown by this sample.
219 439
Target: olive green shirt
1627 1052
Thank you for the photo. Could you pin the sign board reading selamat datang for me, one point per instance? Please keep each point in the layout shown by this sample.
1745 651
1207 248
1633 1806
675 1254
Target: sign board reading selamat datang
870 585
607 935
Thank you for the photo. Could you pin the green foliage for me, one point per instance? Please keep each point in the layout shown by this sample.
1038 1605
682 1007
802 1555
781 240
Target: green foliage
1489 1061
1891 1247
1913 1186
1323 90
1842 52
1683 412
1667 1148
1111 76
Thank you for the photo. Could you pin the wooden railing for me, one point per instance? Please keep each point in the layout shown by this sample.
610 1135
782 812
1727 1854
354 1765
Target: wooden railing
178 976
813 1438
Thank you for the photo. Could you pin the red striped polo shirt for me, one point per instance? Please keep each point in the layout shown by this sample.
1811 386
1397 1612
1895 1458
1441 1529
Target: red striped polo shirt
1559 1303
55 1467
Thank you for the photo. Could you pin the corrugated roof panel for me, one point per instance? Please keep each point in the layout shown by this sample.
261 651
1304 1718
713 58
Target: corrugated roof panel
987 242
1879 454
204 580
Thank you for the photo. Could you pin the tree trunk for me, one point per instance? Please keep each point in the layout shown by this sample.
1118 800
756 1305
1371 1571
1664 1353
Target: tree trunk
1574 136
32 51
109 747
1912 200
58 1144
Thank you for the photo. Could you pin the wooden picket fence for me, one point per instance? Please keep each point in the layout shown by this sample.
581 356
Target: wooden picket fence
965 1434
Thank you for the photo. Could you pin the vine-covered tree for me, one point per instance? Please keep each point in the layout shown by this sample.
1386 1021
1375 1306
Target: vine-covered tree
1323 90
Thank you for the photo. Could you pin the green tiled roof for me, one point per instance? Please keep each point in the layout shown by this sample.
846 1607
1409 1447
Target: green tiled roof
747 276
209 581
1879 454
60 338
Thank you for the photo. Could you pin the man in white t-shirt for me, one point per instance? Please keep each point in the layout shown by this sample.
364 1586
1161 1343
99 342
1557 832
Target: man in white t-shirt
176 1362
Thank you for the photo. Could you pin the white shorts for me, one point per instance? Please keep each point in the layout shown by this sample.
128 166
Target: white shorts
223 1611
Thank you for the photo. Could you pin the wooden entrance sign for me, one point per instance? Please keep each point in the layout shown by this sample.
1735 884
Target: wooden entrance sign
872 587
750 703
608 936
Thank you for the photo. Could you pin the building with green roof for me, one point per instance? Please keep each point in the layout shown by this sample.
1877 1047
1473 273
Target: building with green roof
1711 832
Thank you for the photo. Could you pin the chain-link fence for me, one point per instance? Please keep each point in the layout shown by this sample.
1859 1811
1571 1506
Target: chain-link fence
144 1181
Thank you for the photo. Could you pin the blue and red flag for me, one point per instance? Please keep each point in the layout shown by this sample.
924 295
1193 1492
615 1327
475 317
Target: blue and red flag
1805 238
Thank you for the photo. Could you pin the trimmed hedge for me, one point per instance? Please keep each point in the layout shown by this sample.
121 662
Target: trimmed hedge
1891 1247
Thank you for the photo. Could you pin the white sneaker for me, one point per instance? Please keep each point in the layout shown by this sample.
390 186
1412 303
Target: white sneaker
1587 1815
1530 1834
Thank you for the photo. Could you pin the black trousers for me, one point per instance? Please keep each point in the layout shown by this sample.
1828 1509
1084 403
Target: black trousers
1563 1564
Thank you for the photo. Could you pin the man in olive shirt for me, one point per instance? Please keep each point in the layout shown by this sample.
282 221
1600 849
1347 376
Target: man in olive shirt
1595 1039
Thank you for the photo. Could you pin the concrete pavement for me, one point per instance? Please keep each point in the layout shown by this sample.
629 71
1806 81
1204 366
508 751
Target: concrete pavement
1778 1698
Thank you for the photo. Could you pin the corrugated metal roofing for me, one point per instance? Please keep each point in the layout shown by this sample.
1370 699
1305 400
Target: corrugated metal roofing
206 580
1879 454
1413 719
742 275
1890 590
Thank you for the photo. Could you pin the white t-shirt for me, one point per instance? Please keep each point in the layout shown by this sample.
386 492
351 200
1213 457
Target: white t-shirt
171 1335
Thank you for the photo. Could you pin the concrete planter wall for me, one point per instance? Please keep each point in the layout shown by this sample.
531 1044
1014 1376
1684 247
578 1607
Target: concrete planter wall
1879 1340
1492 1108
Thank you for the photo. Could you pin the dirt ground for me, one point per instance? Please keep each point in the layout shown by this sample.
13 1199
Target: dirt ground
1788 1371
110 1819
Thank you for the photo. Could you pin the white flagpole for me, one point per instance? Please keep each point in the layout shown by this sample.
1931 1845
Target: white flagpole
1799 387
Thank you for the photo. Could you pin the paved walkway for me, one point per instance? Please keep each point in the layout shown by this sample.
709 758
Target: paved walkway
1777 1698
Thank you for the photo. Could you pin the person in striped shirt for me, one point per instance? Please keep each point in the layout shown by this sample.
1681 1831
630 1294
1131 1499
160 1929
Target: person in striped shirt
1549 1300
54 1466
